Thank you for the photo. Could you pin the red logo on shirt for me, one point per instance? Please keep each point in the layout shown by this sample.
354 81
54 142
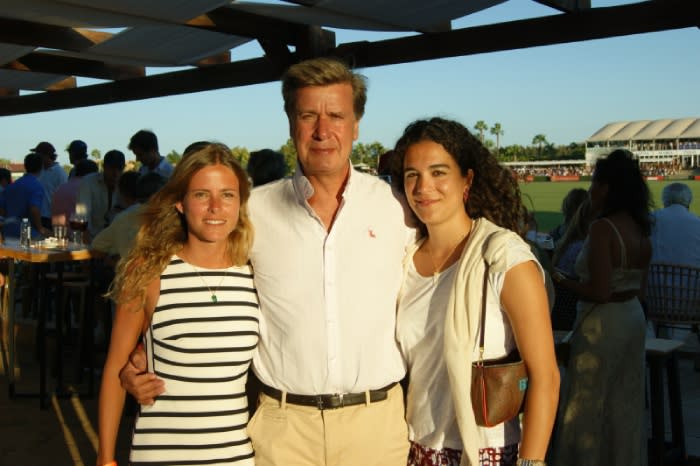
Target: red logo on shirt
371 233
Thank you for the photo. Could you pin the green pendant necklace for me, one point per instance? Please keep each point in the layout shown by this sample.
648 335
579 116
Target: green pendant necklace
214 299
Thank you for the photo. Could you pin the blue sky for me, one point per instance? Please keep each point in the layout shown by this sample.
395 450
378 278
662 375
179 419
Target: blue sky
566 92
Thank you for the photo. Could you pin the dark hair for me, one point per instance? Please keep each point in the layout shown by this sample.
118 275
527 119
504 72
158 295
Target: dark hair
145 140
85 167
149 184
33 162
627 190
6 175
127 183
115 158
494 193
266 165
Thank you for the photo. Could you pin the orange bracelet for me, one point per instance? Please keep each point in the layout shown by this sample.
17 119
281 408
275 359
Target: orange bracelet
111 463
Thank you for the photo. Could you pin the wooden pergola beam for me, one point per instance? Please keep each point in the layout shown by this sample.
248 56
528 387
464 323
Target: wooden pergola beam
596 23
19 32
244 24
567 6
243 73
54 64
591 24
62 85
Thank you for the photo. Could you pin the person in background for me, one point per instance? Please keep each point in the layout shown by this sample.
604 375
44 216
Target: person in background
77 151
384 165
144 145
118 237
469 210
601 416
5 178
66 196
569 206
266 165
568 247
99 192
675 236
51 177
327 258
23 199
187 290
564 262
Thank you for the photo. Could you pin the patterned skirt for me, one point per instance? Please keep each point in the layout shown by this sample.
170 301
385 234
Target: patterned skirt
419 455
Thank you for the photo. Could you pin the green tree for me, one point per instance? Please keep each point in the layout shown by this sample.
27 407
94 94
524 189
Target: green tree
173 157
367 153
512 153
497 131
290 155
241 154
539 140
481 126
96 154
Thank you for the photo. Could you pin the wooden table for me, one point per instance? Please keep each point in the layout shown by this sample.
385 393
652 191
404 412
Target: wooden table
11 249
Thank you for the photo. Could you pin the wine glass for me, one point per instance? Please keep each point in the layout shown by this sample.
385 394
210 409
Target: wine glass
78 224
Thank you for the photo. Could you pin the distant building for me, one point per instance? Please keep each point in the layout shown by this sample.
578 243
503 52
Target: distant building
651 141
16 169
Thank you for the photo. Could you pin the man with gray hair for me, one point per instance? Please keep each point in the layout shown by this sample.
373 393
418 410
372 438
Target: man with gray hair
675 236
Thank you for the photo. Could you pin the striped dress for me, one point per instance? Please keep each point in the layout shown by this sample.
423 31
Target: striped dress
201 347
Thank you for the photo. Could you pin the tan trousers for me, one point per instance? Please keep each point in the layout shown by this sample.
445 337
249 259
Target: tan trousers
366 435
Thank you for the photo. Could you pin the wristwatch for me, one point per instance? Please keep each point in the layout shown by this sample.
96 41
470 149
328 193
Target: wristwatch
524 462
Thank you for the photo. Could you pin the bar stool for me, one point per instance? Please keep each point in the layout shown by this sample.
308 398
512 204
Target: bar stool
75 286
663 354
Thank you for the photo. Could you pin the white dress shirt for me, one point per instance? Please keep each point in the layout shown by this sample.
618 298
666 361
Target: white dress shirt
328 298
164 168
94 195
675 236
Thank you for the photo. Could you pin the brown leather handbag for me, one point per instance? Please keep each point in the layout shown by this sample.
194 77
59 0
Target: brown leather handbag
498 385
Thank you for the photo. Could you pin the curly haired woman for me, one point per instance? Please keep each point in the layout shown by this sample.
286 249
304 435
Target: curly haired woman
469 210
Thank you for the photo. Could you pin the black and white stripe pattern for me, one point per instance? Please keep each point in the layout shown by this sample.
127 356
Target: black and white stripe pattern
202 350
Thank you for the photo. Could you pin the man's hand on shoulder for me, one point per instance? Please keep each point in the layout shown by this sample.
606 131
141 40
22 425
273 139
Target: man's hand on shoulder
142 385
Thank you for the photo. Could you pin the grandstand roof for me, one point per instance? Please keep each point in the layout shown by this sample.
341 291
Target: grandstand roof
646 130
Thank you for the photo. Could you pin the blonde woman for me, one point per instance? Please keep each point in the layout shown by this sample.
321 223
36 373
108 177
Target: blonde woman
186 290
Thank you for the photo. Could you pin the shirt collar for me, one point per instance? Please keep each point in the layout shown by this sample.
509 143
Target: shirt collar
303 188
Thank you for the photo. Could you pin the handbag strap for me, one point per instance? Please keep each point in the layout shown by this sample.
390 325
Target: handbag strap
482 329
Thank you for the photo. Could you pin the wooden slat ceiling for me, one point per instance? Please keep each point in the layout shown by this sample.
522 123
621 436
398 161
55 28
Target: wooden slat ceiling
46 44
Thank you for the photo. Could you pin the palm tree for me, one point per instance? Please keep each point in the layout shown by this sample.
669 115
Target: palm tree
539 140
497 131
481 126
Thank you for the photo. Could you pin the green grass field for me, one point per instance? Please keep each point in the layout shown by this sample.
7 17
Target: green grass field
545 198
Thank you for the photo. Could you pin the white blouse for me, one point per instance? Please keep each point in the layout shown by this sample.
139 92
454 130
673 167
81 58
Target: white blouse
420 333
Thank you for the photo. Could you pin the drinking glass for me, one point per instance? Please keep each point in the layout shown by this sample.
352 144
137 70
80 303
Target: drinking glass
78 224
60 232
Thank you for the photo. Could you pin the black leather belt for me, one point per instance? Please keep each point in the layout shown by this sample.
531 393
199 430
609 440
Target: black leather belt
329 401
